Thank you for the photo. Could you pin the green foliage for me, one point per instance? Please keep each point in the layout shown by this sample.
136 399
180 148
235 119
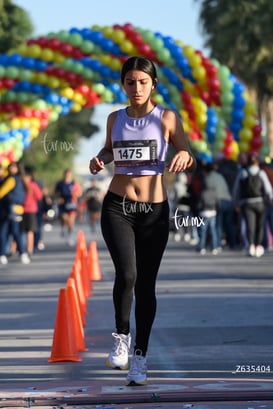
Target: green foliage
55 148
240 35
15 26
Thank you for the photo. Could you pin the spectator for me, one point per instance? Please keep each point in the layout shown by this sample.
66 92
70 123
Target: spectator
207 205
68 192
93 197
250 189
268 223
225 209
2 174
12 195
33 197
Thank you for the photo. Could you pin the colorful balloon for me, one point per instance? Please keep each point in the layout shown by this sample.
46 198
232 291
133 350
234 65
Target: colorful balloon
66 71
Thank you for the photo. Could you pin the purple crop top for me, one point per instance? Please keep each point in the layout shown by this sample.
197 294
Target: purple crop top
139 147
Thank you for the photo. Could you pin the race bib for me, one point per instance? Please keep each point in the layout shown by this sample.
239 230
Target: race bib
135 153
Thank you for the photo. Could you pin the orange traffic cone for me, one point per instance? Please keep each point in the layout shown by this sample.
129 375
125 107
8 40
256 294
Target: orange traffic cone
81 241
83 257
64 347
75 314
76 274
94 263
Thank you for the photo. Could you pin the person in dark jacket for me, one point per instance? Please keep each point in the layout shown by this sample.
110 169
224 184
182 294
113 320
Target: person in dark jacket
12 196
252 204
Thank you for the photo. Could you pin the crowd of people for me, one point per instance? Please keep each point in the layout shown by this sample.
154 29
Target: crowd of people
216 195
233 202
26 205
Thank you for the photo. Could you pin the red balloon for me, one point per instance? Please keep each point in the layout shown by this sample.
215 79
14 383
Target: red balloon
256 143
228 150
43 123
27 113
136 39
54 43
42 41
128 28
194 136
214 83
257 130
8 82
77 53
145 49
83 89
66 48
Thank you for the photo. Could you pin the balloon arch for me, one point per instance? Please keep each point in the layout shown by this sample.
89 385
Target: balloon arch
66 71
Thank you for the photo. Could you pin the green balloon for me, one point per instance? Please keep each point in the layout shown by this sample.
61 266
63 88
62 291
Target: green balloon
12 72
63 35
25 75
75 39
87 47
68 64
77 67
2 72
10 96
164 55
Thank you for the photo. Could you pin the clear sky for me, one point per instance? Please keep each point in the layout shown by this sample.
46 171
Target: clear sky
175 18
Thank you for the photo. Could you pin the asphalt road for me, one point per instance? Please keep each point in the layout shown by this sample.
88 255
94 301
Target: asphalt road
214 317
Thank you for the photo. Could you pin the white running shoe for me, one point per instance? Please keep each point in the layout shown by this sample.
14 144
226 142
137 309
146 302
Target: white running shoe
259 251
25 258
118 357
3 260
252 250
137 374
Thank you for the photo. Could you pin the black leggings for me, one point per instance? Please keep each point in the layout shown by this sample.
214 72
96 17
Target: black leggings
136 235
254 214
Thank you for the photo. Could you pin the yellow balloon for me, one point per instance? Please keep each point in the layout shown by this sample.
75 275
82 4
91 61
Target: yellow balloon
22 49
235 150
199 73
76 107
188 51
118 36
58 57
249 121
195 60
67 92
34 50
35 122
105 59
34 132
127 47
15 123
249 108
5 162
244 146
47 54
41 77
79 98
53 82
245 135
115 64
25 123
108 31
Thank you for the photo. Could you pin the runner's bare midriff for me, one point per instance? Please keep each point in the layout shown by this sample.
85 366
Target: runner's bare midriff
139 188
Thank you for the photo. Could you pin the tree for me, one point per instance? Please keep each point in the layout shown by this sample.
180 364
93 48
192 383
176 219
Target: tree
239 33
55 148
15 26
